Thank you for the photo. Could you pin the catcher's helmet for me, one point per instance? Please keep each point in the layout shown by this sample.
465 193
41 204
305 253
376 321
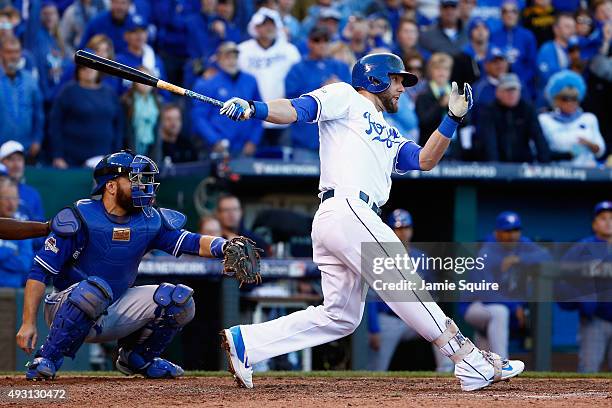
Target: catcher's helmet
139 169
372 72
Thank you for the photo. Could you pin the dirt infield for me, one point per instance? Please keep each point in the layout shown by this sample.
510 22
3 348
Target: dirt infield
317 392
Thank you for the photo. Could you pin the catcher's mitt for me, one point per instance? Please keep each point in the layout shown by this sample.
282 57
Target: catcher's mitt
241 259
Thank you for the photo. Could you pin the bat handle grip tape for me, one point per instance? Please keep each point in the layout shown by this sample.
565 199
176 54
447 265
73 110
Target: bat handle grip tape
203 98
186 92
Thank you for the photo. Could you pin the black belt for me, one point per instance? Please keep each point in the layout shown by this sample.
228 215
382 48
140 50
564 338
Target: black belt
362 196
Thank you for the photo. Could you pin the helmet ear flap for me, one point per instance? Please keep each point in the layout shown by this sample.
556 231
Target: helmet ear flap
374 81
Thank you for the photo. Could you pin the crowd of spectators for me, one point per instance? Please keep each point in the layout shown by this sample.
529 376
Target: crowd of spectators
541 72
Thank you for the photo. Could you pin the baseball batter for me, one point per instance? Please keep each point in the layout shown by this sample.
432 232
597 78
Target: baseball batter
358 152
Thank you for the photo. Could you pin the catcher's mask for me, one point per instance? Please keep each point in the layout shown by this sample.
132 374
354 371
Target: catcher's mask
139 169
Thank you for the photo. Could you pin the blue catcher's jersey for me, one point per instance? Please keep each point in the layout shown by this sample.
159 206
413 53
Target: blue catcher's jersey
109 247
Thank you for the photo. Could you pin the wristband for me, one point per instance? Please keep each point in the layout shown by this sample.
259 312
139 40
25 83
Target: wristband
447 127
260 110
216 247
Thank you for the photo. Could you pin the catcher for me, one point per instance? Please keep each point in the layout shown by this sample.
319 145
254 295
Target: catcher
92 257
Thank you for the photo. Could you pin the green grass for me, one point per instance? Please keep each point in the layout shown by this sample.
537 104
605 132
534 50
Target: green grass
334 374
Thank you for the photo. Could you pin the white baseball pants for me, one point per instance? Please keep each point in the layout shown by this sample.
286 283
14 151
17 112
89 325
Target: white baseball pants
339 227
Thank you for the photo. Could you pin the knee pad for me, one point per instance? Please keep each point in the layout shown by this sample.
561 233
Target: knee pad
74 318
175 309
92 296
176 303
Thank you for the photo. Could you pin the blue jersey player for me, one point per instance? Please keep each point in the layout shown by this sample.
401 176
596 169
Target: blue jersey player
92 257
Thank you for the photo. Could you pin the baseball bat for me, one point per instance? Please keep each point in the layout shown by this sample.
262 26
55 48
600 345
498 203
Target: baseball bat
13 229
114 68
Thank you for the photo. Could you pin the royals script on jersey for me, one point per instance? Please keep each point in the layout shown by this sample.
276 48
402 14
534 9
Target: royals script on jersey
358 147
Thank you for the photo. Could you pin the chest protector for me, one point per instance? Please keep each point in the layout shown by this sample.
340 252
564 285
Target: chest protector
113 246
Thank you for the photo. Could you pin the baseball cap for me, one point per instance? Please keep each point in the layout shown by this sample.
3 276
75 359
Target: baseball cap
475 22
445 3
399 219
135 22
227 46
509 81
319 33
510 3
47 3
261 17
329 12
9 148
495 53
601 207
508 221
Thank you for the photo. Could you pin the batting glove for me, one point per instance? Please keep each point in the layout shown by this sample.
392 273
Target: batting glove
236 109
460 104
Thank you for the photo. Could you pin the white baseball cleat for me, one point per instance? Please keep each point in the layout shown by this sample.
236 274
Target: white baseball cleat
479 369
237 359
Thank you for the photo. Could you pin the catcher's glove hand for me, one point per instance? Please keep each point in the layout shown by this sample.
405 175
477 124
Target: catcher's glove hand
241 259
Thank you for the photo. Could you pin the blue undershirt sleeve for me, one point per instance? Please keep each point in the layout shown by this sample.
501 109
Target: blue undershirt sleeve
306 108
407 158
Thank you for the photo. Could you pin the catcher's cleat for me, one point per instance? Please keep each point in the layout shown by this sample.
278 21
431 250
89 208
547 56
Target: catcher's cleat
237 359
130 363
41 369
479 369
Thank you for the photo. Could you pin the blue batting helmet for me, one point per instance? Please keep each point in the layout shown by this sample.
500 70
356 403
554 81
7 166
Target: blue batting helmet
372 72
139 169
399 219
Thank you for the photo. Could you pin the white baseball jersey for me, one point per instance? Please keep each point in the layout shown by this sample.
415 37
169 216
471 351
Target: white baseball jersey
358 148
